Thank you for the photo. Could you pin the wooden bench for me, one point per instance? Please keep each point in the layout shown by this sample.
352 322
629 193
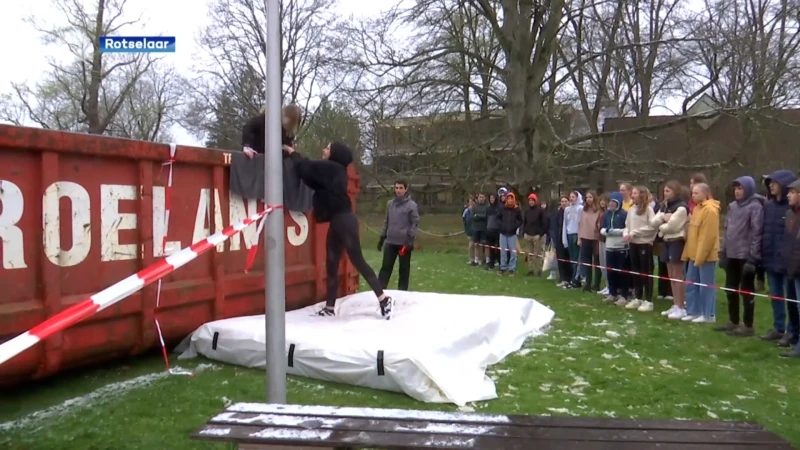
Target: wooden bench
267 426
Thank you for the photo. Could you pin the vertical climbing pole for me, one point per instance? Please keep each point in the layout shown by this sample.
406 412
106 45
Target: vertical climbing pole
274 239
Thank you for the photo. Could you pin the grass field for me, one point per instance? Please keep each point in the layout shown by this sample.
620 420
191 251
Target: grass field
597 360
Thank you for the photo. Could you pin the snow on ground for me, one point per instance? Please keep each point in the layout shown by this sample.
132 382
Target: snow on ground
98 396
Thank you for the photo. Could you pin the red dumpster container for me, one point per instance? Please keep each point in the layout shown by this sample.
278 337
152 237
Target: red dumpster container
81 212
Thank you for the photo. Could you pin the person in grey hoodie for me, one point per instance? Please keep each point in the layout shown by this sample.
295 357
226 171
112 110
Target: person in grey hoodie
569 234
397 236
741 253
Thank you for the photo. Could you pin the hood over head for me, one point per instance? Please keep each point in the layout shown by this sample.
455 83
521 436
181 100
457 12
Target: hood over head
748 184
784 178
341 154
615 197
533 197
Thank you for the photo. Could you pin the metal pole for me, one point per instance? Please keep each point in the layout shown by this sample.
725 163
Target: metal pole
274 267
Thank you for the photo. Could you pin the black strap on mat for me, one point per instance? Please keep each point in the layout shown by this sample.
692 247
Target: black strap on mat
291 355
214 340
380 364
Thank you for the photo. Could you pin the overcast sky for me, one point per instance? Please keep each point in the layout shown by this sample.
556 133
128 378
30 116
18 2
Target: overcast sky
180 18
26 59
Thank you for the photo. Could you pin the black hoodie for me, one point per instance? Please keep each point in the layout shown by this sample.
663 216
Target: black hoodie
328 178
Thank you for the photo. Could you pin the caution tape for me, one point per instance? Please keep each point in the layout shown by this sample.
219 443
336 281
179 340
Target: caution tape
121 290
650 275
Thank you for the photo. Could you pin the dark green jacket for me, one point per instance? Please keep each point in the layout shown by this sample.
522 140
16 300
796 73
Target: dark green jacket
480 214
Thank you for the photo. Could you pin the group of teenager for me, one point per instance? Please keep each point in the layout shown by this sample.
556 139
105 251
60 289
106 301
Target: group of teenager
629 235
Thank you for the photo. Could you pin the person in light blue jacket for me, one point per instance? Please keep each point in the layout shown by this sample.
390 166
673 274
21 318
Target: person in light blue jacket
569 233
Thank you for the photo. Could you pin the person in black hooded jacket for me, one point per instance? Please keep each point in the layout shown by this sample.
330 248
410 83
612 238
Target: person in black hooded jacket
328 178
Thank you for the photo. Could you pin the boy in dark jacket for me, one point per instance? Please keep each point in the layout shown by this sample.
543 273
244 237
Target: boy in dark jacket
534 229
480 215
741 253
510 220
466 217
492 233
791 250
771 241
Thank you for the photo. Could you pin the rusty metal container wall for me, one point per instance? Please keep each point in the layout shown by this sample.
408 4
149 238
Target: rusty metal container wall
81 212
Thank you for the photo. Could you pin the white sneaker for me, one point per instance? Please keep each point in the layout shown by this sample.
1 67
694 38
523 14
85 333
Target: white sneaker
669 311
661 297
603 291
678 314
609 299
552 276
688 318
634 304
645 307
621 301
668 297
704 319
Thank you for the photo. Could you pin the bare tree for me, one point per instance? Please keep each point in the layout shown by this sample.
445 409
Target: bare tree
747 52
87 93
233 62
654 51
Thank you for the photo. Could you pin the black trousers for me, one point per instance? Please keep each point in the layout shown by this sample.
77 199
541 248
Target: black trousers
664 285
735 278
642 262
343 237
590 254
564 266
618 282
391 253
493 253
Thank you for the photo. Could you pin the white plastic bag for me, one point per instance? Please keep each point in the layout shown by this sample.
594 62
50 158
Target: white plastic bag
550 261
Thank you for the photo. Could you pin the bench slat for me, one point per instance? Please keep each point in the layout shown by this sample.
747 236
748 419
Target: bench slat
331 438
487 419
424 428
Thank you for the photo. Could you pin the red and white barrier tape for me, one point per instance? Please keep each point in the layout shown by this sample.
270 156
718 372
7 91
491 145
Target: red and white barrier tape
251 254
657 277
173 148
121 290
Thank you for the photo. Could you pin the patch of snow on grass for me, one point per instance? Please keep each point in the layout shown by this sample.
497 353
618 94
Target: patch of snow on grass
98 396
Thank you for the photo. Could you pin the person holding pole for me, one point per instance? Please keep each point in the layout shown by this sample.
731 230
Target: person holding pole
328 179
397 236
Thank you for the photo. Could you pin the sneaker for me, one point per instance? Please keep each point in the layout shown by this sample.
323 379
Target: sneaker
661 297
326 312
742 331
552 276
678 314
604 291
386 307
772 335
668 297
634 304
688 318
561 284
645 307
501 272
669 311
730 326
609 299
787 341
704 319
621 301
511 273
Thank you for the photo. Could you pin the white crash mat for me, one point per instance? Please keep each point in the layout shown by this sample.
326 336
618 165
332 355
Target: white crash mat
436 347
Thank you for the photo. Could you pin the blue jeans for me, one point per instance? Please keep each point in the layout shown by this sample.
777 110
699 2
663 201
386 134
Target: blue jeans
508 253
701 300
778 285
